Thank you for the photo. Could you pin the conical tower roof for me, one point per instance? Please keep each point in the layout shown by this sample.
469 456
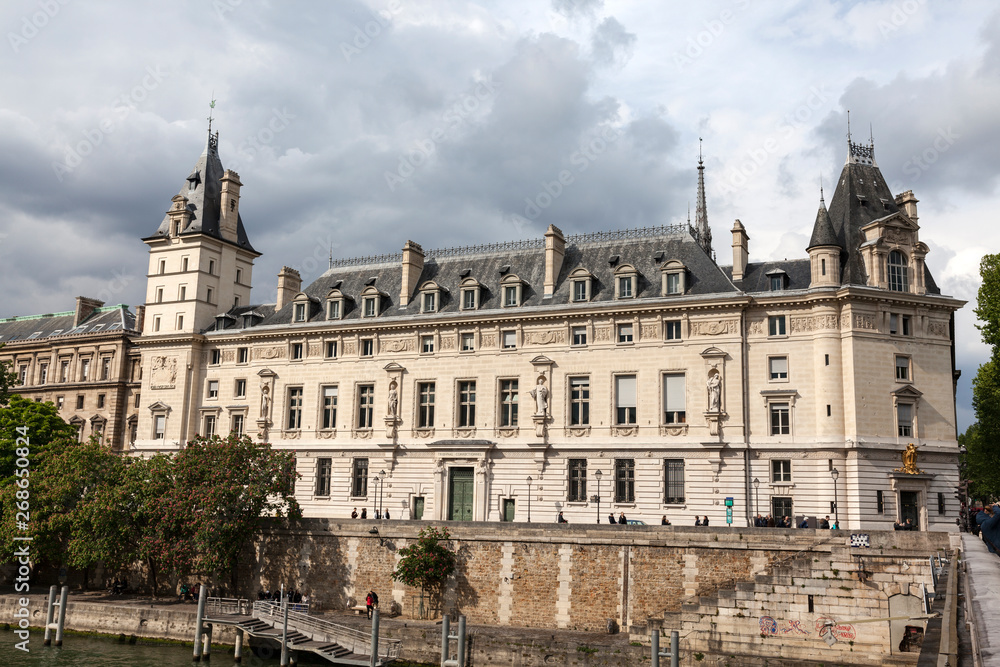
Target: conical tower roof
823 233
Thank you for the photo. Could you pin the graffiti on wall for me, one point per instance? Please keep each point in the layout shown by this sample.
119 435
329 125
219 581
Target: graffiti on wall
824 626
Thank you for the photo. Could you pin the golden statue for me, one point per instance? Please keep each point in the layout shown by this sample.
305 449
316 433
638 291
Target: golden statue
910 461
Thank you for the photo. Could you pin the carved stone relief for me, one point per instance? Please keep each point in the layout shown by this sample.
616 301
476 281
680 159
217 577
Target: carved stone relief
898 236
624 431
602 334
650 331
488 340
714 328
863 321
164 373
350 347
673 429
578 431
545 337
396 344
274 352
801 324
937 328
757 327
447 341
315 349
229 355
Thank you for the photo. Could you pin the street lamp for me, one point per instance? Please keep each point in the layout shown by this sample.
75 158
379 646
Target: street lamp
381 485
598 474
836 506
375 482
529 498
756 496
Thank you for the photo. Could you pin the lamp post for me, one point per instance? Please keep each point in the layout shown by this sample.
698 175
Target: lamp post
381 486
375 483
529 498
598 474
756 496
836 506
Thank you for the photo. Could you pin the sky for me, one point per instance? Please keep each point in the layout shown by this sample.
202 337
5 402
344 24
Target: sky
356 125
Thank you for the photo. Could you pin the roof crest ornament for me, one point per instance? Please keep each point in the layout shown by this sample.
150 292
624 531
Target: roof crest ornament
860 153
213 141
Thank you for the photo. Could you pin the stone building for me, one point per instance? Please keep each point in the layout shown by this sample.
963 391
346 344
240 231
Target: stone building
81 360
621 371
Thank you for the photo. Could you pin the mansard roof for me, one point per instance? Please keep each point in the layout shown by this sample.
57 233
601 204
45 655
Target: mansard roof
203 189
645 249
756 277
39 327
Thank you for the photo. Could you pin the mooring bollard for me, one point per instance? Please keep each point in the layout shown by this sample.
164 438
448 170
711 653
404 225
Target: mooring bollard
284 633
50 615
374 647
206 654
238 652
445 640
62 615
202 595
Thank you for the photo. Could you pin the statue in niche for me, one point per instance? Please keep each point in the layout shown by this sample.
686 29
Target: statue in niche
265 401
393 399
714 392
541 395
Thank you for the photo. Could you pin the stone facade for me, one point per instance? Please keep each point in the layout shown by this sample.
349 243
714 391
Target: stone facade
495 382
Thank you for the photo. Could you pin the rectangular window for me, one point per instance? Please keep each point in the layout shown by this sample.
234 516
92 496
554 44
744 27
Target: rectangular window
904 418
673 283
100 401
43 373
674 400
673 481
941 506
673 329
510 295
781 471
625 287
79 402
468 342
180 322
22 374
209 426
359 478
467 404
625 400
509 340
106 368
324 467
85 369
577 481
300 312
208 295
297 351
333 310
163 266
579 401
59 402
425 405
211 267
780 424
893 323
159 295
777 283
625 333
427 344
240 389
138 397
826 359
294 408
579 335
156 324
182 293
366 405
508 402
242 355
367 347
159 426
879 502
468 299
781 507
215 357
430 302
579 290
778 368
902 368
236 425
330 407
904 321
213 389
64 371
239 276
776 325
370 307
624 480
331 349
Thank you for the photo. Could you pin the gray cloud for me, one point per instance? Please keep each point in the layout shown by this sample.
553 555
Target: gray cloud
611 43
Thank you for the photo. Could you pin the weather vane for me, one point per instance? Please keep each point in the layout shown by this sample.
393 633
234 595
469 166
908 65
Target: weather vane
211 106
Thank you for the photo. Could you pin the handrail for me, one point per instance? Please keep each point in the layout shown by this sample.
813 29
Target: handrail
356 641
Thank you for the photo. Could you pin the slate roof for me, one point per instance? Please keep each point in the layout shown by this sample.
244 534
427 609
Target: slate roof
823 232
757 276
203 188
526 260
50 325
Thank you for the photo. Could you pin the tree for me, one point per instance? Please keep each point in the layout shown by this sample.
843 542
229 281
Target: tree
427 564
982 439
224 491
8 378
988 300
44 427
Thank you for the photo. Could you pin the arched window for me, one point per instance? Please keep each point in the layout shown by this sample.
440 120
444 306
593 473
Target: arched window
897 272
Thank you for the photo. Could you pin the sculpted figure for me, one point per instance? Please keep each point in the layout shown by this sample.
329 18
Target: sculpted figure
714 392
910 459
393 399
265 402
541 395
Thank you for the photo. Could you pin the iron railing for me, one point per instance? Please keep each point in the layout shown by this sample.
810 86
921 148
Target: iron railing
355 641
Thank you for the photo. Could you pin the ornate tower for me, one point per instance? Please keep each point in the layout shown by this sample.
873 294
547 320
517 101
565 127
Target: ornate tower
702 231
824 249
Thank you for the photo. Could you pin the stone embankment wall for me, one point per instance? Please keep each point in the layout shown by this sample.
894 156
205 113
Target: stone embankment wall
741 591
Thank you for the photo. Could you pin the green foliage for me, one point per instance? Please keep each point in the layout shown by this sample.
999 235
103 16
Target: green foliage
427 564
44 425
8 378
982 439
988 300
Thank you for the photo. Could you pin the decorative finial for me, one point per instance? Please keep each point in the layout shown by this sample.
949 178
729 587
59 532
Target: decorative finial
211 108
331 254
848 126
871 135
689 214
699 150
821 189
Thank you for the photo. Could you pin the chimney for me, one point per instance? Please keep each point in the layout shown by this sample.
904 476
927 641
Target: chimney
229 207
289 284
413 266
140 317
84 308
908 203
741 253
555 249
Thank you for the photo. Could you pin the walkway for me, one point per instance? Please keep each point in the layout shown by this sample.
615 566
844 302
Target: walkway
982 571
339 644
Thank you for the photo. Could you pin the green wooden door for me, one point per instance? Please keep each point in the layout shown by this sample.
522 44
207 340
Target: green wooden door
418 508
460 491
508 509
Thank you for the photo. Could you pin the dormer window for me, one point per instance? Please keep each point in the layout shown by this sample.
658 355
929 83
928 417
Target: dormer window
370 306
778 280
897 272
673 278
335 305
430 297
430 302
510 290
580 285
626 280
301 311
470 294
371 302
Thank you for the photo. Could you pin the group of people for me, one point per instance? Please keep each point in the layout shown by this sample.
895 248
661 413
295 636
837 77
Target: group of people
987 526
622 519
772 522
118 586
294 596
364 514
903 525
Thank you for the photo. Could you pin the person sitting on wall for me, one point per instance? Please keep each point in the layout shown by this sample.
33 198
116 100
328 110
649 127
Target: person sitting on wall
561 518
387 515
769 521
697 520
664 521
611 517
908 525
364 512
184 592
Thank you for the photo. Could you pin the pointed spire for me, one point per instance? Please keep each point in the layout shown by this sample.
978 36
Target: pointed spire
213 141
702 231
823 233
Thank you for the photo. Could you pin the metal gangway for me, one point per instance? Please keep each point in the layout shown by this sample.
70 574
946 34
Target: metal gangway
339 644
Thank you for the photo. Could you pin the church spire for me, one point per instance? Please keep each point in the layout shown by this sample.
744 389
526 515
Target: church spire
702 231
